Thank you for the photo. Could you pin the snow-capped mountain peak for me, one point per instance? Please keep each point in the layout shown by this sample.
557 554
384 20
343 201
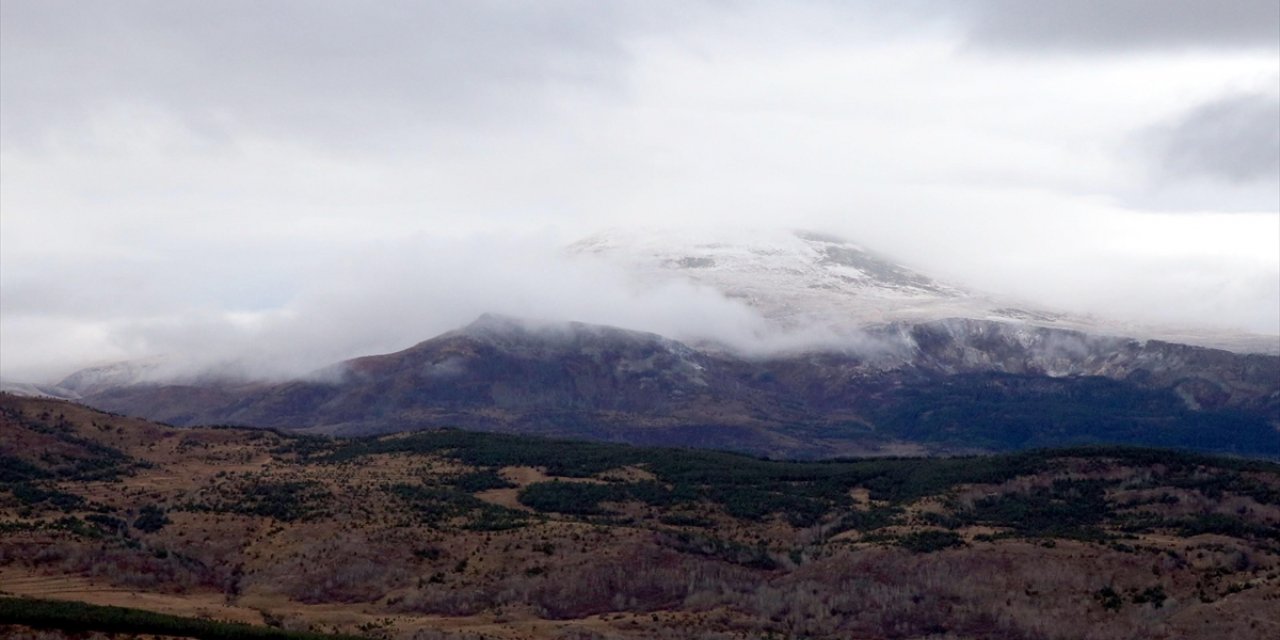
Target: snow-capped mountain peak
797 277
801 278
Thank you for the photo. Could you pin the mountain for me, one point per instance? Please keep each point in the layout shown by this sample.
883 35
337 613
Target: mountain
792 278
909 364
454 535
35 390
99 378
799 279
946 386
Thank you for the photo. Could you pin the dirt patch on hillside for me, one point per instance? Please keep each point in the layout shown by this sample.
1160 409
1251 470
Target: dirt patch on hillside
74 588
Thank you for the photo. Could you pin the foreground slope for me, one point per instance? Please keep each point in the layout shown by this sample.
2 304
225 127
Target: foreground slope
444 533
947 386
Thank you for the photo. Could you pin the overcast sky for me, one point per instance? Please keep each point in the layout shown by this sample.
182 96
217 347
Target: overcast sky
312 180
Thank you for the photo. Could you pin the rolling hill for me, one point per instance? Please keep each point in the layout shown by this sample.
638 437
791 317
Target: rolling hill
447 534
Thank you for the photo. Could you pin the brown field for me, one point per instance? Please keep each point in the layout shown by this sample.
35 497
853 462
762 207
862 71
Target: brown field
254 531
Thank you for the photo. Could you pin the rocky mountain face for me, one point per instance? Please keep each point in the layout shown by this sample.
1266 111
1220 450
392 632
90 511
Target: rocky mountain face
969 384
1202 377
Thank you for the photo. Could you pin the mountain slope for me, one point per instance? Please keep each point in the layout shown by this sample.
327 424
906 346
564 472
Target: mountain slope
913 365
582 380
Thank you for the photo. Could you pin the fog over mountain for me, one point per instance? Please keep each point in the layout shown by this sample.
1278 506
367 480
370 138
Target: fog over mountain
269 190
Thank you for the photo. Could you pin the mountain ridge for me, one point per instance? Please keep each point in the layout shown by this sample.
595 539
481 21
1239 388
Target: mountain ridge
582 380
884 360
806 278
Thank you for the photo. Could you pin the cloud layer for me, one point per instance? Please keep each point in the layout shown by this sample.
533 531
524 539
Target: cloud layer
238 177
1236 139
1110 25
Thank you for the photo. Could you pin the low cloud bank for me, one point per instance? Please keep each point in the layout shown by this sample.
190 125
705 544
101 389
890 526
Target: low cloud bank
396 294
385 295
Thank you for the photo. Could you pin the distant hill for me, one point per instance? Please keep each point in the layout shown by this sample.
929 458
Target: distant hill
945 386
453 534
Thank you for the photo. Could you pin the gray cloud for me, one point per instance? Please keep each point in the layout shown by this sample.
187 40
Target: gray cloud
1109 25
1235 139
337 70
1221 155
223 177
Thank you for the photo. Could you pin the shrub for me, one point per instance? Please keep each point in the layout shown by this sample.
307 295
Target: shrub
930 541
150 519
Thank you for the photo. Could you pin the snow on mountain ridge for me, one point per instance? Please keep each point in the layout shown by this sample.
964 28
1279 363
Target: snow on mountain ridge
36 390
807 279
91 380
794 278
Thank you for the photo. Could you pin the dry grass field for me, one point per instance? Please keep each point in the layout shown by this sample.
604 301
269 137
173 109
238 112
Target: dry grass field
451 534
